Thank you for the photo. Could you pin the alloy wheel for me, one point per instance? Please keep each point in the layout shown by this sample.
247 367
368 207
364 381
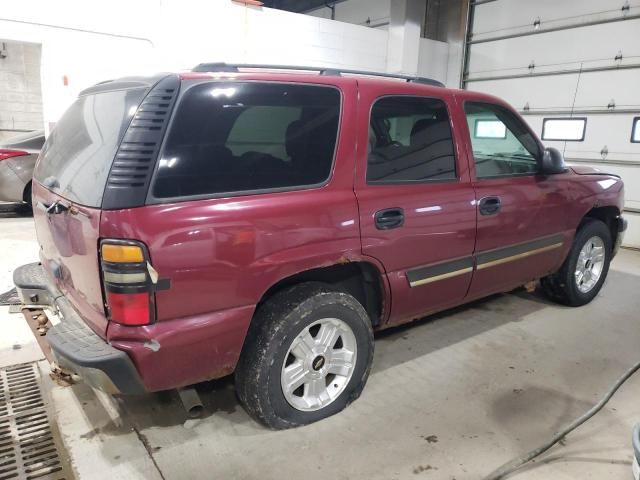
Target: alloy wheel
319 364
590 264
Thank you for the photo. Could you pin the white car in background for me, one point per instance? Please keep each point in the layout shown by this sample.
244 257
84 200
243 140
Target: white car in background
18 156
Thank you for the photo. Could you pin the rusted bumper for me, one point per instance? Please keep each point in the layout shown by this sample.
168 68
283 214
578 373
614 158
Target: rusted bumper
75 347
165 355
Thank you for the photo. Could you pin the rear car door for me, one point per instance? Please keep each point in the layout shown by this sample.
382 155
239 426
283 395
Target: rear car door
522 231
414 195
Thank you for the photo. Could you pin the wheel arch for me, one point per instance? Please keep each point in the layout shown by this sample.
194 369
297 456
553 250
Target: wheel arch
608 215
362 279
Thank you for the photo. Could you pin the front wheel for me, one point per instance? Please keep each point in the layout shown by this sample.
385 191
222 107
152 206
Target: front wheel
306 357
585 269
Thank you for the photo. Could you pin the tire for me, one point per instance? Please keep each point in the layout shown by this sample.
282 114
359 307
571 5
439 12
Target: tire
566 286
279 338
25 207
26 197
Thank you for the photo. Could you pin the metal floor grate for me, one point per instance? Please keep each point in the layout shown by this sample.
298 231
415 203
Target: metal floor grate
28 447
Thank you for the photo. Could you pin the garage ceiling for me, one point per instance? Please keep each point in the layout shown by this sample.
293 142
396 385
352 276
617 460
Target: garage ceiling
299 6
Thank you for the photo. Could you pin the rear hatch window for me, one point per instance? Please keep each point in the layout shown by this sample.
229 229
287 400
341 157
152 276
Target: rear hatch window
73 169
76 158
243 137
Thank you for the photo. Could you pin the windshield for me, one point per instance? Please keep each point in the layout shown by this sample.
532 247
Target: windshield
76 158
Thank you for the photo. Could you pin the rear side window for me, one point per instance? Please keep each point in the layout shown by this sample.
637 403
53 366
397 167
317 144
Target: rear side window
249 136
76 158
410 141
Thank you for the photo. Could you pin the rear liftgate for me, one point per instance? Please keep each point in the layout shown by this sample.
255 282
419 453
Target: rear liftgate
130 283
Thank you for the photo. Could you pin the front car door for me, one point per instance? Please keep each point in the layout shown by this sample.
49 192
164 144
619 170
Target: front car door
416 203
522 231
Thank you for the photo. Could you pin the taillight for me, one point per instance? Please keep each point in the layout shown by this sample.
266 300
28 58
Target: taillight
129 289
129 308
10 153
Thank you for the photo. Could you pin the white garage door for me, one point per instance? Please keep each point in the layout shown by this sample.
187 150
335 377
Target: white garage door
576 59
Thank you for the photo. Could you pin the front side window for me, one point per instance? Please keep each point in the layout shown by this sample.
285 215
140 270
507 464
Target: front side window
248 136
502 144
410 141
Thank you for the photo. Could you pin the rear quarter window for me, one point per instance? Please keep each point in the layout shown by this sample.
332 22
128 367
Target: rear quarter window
241 137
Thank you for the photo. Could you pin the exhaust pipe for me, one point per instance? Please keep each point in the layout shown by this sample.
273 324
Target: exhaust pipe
191 401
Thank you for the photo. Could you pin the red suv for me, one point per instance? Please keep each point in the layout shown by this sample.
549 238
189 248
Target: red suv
266 222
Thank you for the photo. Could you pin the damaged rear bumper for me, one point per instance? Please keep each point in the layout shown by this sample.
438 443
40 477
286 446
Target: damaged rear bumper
75 346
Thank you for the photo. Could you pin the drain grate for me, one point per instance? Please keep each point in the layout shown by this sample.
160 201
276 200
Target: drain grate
28 447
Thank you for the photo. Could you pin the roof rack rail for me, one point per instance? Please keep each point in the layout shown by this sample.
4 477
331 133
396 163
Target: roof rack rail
235 67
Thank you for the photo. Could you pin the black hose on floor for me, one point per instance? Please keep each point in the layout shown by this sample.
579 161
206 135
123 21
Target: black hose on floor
518 462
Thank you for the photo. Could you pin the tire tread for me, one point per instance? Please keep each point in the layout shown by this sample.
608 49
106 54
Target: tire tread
269 324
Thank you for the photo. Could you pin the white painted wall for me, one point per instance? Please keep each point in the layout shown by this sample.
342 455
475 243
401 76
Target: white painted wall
90 41
87 42
403 49
407 52
20 92
586 46
433 59
224 31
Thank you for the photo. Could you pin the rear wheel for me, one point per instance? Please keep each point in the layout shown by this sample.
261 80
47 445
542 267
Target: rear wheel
584 271
307 356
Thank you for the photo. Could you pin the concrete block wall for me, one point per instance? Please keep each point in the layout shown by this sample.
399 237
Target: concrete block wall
84 42
20 89
87 42
224 31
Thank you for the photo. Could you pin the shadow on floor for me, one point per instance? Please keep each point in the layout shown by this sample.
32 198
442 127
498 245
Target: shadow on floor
452 326
427 335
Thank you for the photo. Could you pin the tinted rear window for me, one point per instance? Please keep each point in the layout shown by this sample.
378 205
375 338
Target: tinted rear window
248 136
410 141
76 158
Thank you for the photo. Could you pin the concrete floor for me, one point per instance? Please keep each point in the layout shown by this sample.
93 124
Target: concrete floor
452 396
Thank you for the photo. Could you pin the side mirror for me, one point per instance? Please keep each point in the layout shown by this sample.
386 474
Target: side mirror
553 161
